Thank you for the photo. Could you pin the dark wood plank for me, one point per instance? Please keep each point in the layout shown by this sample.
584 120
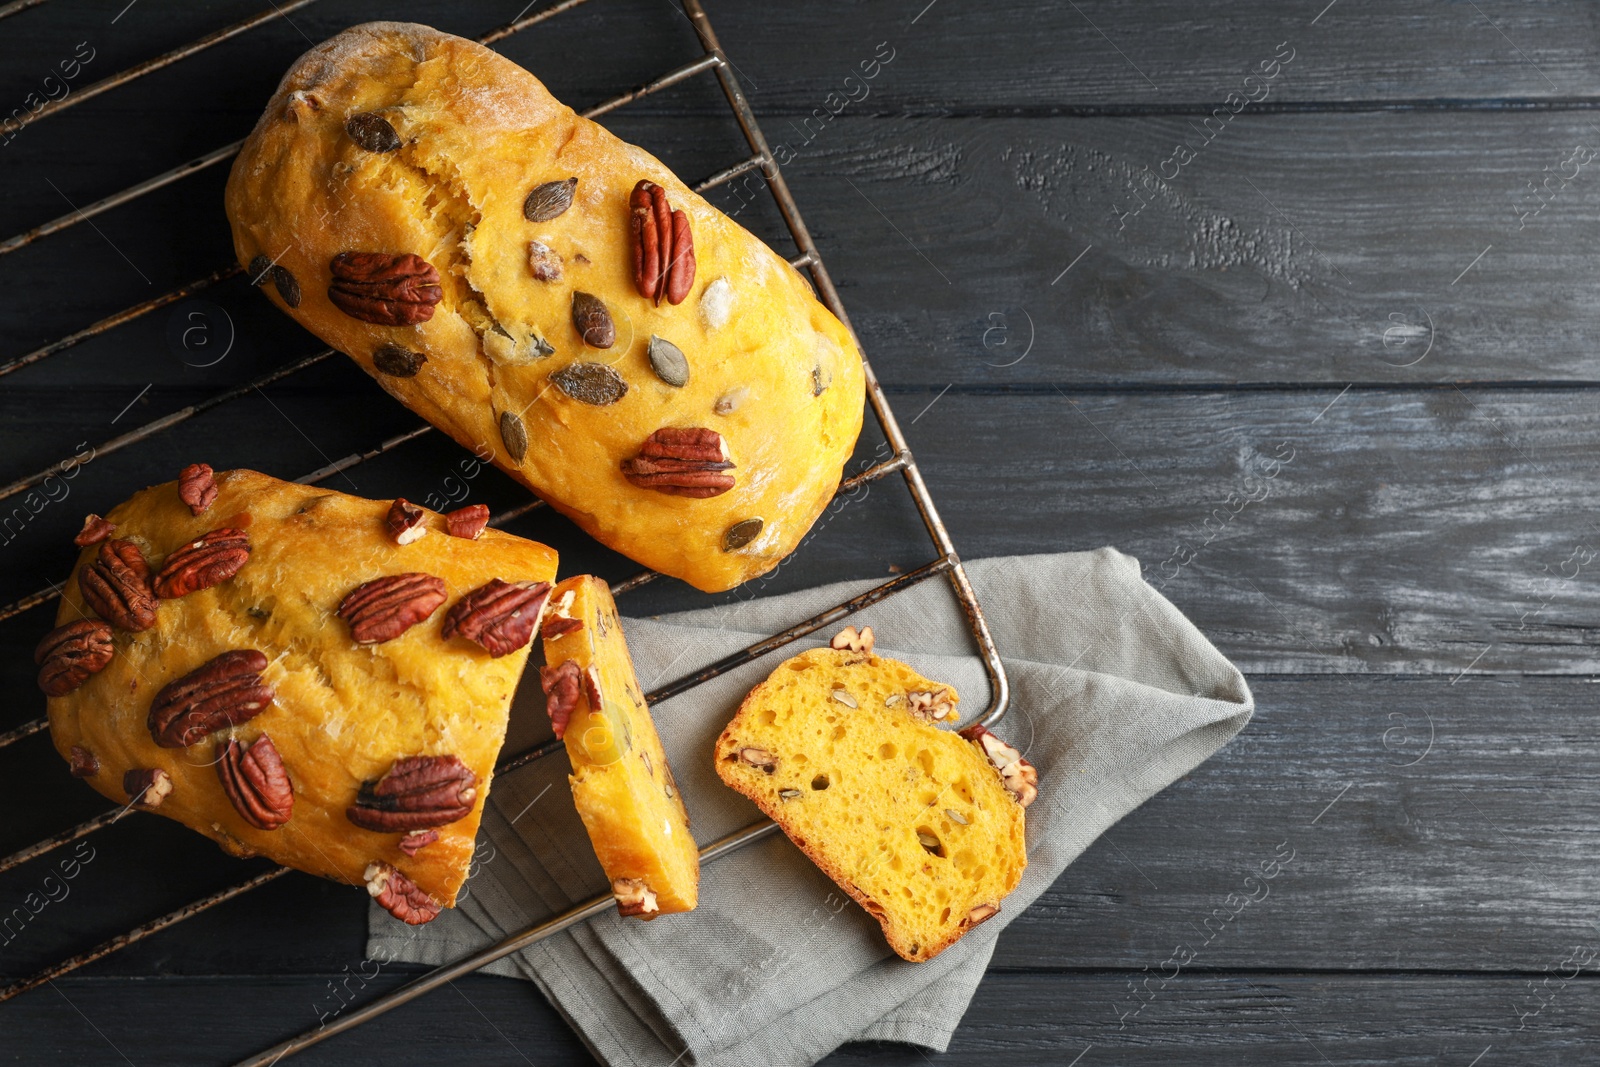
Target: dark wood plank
1200 1019
1358 824
1042 55
1414 810
1022 55
1290 1020
1327 249
1402 531
1418 531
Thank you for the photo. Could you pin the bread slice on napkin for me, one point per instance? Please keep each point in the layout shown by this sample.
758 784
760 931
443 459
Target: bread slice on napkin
621 783
922 826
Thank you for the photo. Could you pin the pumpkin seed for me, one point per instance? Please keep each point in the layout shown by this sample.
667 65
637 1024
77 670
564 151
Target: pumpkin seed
514 434
956 816
592 383
788 794
716 303
759 757
593 321
503 347
549 200
845 698
398 362
287 287
928 841
892 699
668 361
372 132
741 534
729 402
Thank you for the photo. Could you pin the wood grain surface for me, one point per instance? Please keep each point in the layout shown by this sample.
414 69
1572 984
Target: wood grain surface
1328 370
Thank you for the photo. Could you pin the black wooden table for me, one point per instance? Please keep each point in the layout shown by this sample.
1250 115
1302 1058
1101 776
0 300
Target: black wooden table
1293 301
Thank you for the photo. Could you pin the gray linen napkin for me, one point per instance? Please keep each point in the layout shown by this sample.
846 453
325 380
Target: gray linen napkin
1115 696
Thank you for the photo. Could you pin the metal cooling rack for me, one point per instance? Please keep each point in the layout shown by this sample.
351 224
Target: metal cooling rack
901 461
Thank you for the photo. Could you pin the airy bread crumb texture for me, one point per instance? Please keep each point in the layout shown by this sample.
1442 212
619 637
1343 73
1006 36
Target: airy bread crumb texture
911 820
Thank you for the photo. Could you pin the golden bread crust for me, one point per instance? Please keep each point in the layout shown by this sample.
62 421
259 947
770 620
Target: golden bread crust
341 713
771 370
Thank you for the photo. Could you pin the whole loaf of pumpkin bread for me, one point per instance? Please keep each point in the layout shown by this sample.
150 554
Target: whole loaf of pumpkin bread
532 285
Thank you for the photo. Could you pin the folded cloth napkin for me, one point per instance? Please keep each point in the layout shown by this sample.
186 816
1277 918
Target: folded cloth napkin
1114 696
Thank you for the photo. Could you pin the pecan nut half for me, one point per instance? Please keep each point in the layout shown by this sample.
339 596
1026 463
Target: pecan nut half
254 779
544 262
562 685
417 840
663 246
930 706
117 586
850 639
1019 776
95 529
384 608
559 626
399 895
384 289
224 691
405 521
147 787
69 654
214 556
682 462
468 522
634 897
83 763
418 793
500 616
197 487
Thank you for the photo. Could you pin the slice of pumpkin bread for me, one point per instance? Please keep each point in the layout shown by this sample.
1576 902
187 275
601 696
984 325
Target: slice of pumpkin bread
621 783
922 826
